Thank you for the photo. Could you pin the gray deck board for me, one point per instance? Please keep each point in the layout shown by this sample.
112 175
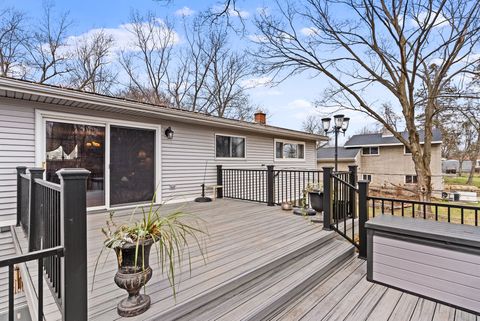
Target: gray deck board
347 295
242 236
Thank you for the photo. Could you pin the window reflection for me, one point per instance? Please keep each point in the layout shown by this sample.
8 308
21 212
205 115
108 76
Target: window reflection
77 146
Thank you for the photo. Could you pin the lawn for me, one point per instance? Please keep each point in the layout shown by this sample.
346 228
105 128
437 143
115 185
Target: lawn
471 215
461 180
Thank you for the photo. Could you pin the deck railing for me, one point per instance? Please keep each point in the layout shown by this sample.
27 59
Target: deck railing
53 216
269 185
344 198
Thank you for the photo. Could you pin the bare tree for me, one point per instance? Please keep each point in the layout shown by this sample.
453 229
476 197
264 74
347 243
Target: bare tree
91 67
13 37
225 88
210 77
312 124
147 63
387 46
48 49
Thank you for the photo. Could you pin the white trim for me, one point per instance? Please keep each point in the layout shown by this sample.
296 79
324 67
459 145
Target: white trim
392 144
370 148
287 141
229 158
42 116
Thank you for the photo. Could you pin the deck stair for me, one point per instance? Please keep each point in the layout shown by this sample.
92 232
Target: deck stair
265 290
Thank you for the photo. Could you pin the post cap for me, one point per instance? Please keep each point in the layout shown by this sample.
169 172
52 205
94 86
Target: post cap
36 170
73 173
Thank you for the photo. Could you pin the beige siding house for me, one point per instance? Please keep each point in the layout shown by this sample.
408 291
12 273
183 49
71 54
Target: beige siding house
131 148
383 160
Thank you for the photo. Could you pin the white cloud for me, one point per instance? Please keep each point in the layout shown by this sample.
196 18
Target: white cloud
234 12
301 108
440 21
184 12
123 37
300 103
310 31
256 82
257 38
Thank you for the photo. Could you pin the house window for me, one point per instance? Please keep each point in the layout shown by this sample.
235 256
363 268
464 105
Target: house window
370 151
367 177
289 150
229 146
407 150
411 179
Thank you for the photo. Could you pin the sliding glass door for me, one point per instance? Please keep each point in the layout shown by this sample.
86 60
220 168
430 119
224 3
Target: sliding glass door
132 165
71 145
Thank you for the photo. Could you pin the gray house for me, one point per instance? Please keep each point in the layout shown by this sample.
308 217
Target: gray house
132 149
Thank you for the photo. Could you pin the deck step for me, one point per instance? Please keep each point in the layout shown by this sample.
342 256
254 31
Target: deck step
270 292
187 309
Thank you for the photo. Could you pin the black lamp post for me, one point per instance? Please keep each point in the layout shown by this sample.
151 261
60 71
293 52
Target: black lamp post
340 124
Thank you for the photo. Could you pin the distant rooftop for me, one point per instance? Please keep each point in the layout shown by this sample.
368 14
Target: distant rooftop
327 153
378 139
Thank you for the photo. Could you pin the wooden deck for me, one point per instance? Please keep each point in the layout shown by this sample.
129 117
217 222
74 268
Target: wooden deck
253 271
243 237
347 295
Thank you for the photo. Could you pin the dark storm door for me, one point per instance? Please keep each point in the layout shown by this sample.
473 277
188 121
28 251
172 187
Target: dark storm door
132 165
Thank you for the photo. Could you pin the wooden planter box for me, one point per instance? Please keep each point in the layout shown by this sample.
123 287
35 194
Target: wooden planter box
435 260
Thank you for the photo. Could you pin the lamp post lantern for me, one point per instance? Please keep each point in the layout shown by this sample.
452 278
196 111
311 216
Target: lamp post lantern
340 125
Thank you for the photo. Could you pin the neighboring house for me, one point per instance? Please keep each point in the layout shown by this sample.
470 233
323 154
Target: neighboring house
130 148
384 160
452 166
346 157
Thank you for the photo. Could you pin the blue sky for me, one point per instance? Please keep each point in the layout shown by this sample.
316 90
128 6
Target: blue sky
288 104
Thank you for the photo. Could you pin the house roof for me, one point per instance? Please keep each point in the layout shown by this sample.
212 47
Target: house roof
378 139
74 99
328 153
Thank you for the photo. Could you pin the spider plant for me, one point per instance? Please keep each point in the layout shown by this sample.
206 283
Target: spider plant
171 235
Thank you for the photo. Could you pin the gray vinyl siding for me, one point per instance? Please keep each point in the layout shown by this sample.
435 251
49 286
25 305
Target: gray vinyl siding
182 158
17 147
442 274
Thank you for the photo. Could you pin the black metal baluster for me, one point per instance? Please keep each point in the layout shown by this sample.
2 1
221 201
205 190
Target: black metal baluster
448 213
11 302
392 209
403 210
424 211
476 217
461 215
436 212
40 289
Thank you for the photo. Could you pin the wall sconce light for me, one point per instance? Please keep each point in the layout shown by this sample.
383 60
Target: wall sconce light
169 132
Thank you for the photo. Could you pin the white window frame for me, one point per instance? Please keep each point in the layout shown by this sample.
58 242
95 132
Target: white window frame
365 177
41 118
412 175
370 148
286 141
229 158
405 151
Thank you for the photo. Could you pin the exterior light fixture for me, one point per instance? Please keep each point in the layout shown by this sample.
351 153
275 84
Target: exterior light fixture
326 124
169 132
340 125
338 119
346 120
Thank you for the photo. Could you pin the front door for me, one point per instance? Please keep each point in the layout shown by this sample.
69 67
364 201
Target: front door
132 165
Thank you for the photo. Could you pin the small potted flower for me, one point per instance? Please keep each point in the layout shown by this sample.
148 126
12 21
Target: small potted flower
132 241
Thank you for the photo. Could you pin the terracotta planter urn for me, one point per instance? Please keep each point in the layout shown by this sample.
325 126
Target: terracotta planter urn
132 277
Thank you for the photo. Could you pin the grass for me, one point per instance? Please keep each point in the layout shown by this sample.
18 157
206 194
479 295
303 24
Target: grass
470 216
461 180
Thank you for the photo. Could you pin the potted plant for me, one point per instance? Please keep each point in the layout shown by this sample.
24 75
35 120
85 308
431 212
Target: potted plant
304 209
132 241
316 197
